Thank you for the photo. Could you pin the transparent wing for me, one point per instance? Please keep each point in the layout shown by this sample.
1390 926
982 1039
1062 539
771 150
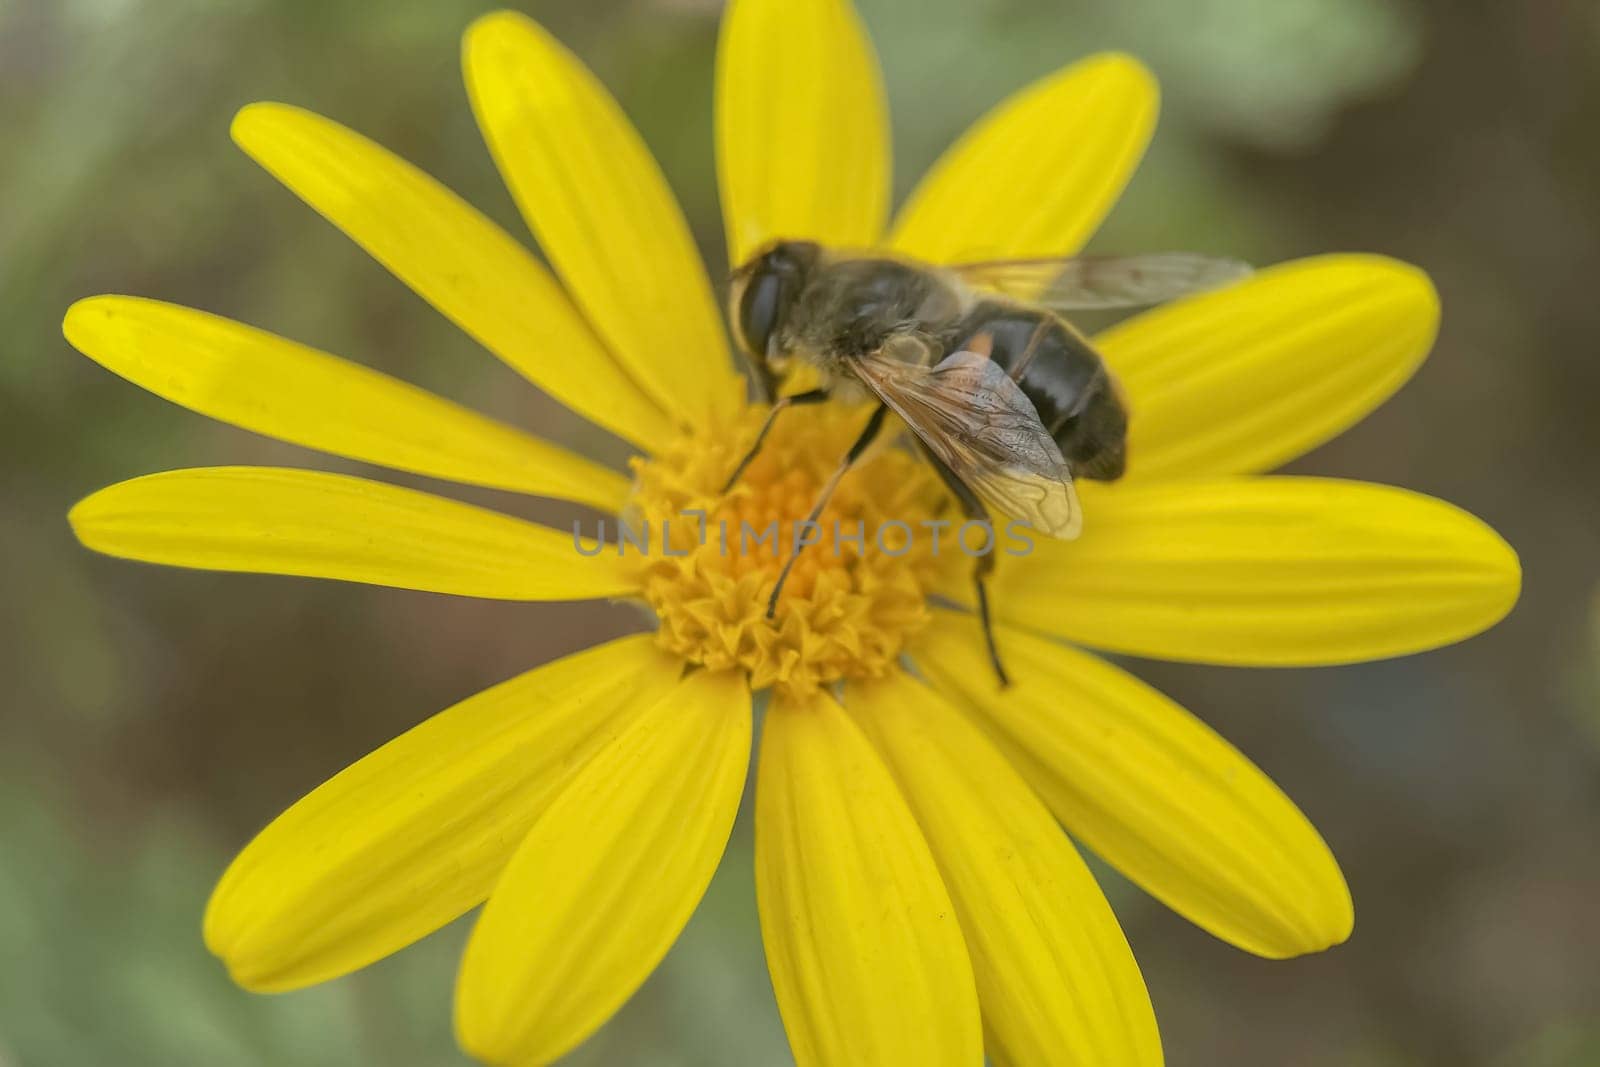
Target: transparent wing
1089 282
970 414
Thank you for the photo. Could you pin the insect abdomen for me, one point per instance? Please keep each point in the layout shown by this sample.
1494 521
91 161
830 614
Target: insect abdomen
1057 369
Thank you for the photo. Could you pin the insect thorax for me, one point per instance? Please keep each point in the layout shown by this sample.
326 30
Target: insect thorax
851 307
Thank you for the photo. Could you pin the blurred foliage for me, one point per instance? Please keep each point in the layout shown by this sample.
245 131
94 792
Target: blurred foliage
1272 73
152 720
103 963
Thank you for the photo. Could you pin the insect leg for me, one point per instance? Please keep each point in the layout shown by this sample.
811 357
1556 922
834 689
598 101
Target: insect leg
973 508
863 442
810 396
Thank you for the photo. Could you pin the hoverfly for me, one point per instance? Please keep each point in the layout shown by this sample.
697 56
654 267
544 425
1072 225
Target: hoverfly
1005 398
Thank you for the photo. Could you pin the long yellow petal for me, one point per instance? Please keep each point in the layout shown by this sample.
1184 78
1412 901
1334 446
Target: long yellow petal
864 949
602 211
1264 572
273 386
406 839
802 126
453 257
1241 380
274 520
1056 979
607 877
1152 789
1036 175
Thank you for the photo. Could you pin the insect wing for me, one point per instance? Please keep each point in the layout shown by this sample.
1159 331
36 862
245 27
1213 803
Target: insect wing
971 415
1086 283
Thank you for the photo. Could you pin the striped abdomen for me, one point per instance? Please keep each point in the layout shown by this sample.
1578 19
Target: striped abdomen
1057 369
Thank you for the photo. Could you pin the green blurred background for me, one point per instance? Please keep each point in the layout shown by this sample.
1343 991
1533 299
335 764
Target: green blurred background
153 719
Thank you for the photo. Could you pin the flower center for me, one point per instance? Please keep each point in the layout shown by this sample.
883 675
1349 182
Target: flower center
859 588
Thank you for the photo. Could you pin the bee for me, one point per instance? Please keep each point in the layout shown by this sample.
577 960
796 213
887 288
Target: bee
1005 398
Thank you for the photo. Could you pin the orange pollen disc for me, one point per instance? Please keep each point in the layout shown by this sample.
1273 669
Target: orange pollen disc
855 595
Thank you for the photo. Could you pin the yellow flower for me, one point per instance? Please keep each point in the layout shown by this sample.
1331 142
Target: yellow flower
911 871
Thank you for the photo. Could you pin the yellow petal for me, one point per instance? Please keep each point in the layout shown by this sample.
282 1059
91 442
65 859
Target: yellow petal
285 390
607 877
406 839
1264 572
1152 789
1243 379
1036 175
273 520
864 949
602 211
453 257
1056 979
802 126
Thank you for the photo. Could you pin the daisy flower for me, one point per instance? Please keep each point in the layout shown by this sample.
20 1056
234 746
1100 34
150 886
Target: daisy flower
920 901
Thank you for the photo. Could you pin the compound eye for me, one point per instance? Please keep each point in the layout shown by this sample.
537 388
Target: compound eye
759 309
